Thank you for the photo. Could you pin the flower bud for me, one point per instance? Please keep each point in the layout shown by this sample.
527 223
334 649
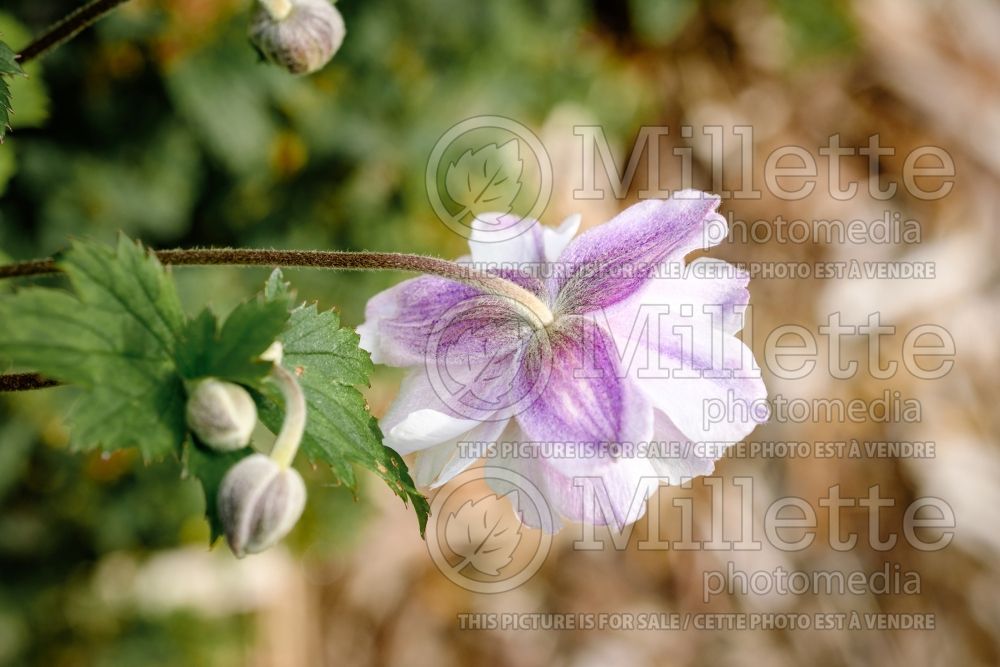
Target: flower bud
259 503
221 414
299 35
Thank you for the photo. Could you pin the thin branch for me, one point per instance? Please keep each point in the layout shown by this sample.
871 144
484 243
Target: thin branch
67 28
25 381
35 267
537 311
320 259
324 259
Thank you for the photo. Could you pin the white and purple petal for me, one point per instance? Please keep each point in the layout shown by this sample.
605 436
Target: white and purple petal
523 258
399 321
711 392
610 263
676 340
580 392
611 494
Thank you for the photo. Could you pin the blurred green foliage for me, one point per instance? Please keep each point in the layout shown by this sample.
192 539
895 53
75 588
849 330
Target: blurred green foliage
160 122
818 27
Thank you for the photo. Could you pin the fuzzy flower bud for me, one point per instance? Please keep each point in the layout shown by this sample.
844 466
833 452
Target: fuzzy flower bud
221 414
259 502
299 35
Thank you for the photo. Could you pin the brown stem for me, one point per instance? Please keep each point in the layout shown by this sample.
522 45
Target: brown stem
321 259
25 381
66 28
537 311
325 259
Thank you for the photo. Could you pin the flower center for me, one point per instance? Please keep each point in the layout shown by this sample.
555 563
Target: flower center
538 313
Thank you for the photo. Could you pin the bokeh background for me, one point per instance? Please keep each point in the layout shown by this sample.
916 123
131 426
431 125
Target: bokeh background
161 122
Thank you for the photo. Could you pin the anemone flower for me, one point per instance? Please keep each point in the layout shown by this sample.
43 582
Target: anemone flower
616 357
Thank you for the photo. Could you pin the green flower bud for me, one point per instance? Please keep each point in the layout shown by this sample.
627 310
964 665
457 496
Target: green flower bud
299 35
259 502
221 414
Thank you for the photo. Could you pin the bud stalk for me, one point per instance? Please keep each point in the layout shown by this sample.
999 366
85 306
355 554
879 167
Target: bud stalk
278 9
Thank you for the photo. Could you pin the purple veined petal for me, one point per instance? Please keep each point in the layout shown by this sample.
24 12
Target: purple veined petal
475 358
611 262
710 392
675 339
469 369
437 465
530 277
399 321
586 397
708 293
613 495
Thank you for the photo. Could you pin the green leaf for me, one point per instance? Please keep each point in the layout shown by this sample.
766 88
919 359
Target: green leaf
121 337
152 418
397 476
114 337
232 352
131 283
8 61
29 90
8 67
339 431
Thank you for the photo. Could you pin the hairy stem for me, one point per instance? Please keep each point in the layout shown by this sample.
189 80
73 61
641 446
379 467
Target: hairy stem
327 259
536 311
67 28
